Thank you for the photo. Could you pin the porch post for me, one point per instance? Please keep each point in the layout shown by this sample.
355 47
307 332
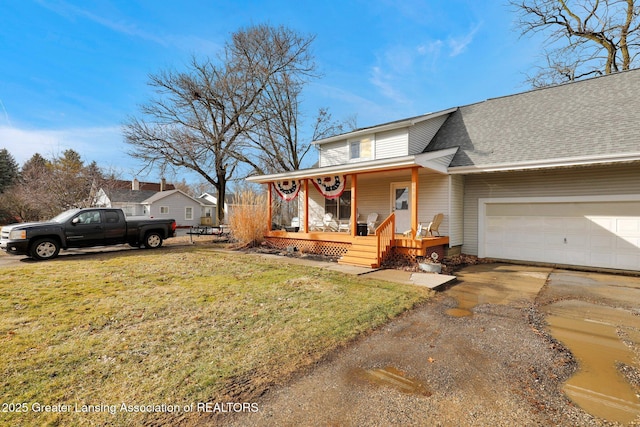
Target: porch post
414 201
354 205
306 206
269 206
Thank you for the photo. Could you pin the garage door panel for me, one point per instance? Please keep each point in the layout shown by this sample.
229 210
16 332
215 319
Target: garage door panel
554 224
604 242
628 227
577 224
630 261
594 234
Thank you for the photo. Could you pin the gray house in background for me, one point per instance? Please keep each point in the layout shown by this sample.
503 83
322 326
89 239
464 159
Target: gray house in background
152 200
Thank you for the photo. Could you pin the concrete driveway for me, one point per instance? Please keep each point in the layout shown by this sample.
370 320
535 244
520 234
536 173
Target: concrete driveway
597 316
481 353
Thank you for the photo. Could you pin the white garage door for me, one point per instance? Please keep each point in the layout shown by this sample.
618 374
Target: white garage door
596 234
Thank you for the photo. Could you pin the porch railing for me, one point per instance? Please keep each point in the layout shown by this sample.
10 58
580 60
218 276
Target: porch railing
385 233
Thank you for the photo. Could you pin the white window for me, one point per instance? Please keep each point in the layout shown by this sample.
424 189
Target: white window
355 150
164 209
188 213
361 149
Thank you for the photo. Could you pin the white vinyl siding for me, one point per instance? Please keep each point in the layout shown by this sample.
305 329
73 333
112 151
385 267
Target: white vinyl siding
433 198
391 144
174 206
568 182
405 141
334 153
421 134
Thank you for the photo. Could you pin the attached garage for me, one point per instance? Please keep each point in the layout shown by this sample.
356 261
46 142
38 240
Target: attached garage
597 232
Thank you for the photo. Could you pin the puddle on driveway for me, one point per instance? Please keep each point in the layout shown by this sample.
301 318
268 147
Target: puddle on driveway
391 377
495 284
595 334
591 332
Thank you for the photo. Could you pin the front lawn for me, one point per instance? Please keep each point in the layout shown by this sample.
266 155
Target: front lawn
166 332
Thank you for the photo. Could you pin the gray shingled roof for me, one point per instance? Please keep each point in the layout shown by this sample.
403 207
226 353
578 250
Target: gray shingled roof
599 116
129 196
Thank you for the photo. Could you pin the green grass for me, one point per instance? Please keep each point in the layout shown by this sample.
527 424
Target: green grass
176 326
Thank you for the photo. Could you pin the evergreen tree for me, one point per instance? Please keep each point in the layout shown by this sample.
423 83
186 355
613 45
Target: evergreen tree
9 171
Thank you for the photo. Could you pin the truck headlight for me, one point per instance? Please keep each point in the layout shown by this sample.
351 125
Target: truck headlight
18 234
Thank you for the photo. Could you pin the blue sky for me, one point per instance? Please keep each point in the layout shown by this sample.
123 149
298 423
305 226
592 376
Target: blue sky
72 71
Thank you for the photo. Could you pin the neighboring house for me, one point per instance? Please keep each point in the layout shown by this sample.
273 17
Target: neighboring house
551 175
153 200
211 202
175 204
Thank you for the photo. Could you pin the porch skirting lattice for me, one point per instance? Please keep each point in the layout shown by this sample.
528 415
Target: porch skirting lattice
397 254
330 249
401 255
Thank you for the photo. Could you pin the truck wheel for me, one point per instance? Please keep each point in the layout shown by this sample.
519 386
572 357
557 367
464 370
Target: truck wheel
44 249
153 240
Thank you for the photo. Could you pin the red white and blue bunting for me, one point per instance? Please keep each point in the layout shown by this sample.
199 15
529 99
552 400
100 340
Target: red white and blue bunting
331 187
287 190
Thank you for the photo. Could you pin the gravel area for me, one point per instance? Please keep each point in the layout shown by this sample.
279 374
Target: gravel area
495 368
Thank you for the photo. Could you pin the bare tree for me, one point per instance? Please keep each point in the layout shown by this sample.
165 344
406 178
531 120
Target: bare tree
201 116
585 37
47 187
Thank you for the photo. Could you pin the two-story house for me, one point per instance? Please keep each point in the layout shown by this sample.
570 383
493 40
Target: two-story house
551 175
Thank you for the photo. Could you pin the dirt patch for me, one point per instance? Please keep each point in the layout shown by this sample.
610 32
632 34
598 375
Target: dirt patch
493 368
498 366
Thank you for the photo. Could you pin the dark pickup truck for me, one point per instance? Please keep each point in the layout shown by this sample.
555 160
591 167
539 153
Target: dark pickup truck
78 228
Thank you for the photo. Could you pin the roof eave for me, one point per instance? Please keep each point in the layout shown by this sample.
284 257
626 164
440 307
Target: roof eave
546 164
427 160
384 127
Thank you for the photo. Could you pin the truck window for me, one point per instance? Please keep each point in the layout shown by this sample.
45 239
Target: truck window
111 217
90 217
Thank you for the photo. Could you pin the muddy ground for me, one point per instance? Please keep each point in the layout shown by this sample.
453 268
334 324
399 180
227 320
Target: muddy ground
478 354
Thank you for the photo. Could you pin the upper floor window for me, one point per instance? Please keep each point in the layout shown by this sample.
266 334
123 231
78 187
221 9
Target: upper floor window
361 149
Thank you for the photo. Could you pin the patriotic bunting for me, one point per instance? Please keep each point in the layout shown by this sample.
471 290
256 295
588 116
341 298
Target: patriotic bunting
287 190
331 187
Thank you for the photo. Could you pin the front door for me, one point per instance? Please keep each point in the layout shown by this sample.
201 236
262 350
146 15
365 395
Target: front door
401 205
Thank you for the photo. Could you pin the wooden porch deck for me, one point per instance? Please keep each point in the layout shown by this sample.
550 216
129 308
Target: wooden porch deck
354 250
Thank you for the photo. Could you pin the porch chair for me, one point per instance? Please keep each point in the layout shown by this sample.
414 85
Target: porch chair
316 224
345 224
326 224
435 224
372 222
329 224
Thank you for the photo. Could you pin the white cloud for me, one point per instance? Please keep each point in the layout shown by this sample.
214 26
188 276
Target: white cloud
387 85
459 44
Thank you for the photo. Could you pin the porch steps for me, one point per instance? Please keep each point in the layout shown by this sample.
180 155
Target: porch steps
363 253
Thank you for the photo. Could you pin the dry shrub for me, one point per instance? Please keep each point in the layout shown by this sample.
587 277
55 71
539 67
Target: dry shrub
248 219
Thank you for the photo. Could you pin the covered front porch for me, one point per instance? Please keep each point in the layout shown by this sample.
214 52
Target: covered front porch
367 251
394 200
